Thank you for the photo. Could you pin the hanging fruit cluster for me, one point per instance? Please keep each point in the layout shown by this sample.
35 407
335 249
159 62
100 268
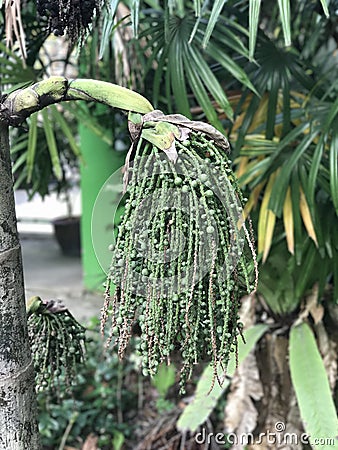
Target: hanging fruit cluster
72 17
57 343
183 256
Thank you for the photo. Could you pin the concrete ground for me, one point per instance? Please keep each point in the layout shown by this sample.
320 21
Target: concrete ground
51 275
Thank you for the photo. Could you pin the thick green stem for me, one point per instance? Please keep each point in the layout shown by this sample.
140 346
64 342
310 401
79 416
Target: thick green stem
21 103
18 413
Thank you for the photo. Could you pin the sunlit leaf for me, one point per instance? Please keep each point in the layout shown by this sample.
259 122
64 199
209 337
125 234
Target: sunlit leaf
288 222
284 10
107 26
215 12
280 187
266 219
135 11
312 388
325 8
306 216
254 9
202 96
199 65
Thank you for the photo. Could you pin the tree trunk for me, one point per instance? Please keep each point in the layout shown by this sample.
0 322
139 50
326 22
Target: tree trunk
18 412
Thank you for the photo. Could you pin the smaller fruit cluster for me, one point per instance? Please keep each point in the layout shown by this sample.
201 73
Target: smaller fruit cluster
57 343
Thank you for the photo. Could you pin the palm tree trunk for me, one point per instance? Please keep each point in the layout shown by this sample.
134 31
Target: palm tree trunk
18 412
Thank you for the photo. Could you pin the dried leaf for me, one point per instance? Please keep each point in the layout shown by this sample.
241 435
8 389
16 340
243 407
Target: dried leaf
91 442
312 307
328 350
240 412
14 25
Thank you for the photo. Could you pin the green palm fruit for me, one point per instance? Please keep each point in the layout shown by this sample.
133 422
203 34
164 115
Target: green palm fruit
183 256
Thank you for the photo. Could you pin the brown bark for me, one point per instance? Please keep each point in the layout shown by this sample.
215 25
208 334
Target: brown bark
18 413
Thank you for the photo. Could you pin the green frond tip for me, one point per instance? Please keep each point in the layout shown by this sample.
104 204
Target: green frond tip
184 255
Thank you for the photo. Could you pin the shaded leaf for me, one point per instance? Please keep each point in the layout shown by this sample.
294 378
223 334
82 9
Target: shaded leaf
52 147
334 170
31 147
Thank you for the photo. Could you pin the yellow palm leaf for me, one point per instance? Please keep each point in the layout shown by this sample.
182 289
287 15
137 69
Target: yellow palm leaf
306 216
288 222
266 221
253 198
243 162
270 226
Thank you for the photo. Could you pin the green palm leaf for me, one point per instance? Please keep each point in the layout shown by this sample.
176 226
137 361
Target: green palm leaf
284 10
254 9
334 169
51 143
214 16
312 391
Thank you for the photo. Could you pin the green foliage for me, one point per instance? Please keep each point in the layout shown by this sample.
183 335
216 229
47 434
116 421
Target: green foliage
285 140
36 161
164 379
205 400
170 40
312 387
13 70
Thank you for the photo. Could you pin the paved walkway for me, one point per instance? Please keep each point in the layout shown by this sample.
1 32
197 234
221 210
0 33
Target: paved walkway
49 275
